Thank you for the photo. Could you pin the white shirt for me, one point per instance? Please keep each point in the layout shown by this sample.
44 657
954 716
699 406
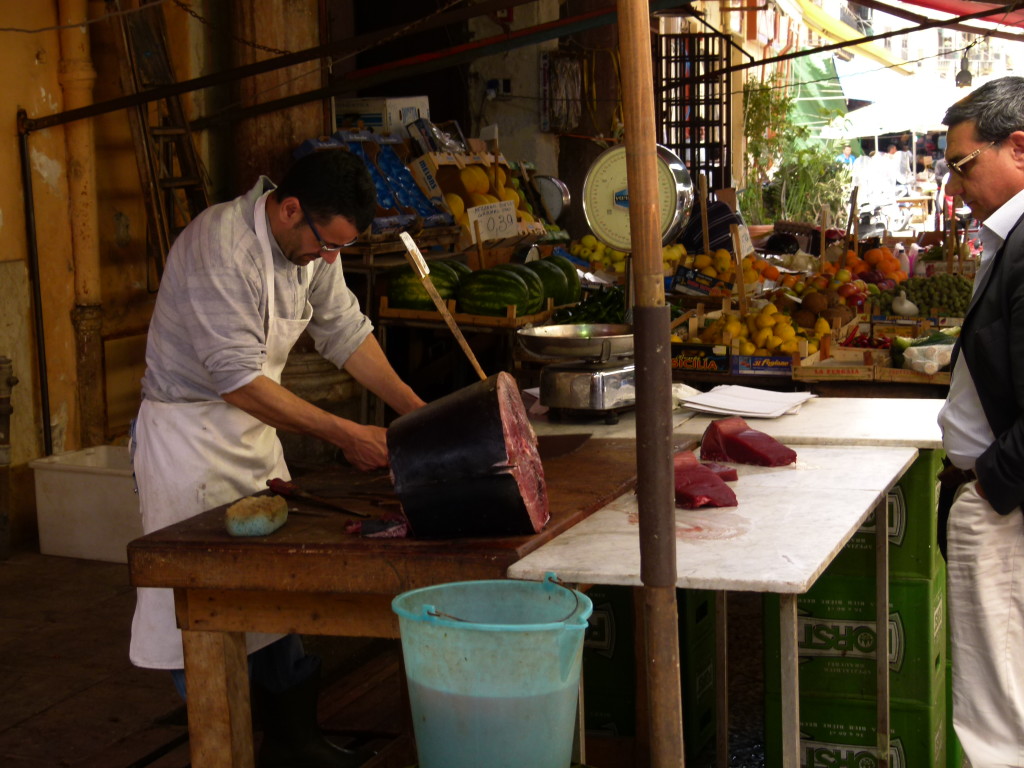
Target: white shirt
966 433
208 331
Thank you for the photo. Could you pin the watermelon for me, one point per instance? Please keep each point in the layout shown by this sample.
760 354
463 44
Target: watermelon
405 291
555 284
460 267
533 282
490 291
572 277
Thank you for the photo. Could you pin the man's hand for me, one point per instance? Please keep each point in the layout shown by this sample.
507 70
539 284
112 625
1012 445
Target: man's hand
365 446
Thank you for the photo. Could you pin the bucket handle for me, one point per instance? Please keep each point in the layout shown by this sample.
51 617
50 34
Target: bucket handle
432 611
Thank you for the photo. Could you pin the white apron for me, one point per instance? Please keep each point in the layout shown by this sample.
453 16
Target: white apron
191 457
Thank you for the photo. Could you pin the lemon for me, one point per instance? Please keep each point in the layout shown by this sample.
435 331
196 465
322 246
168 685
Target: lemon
701 260
589 241
746 348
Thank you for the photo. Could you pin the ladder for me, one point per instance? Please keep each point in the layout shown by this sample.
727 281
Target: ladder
174 182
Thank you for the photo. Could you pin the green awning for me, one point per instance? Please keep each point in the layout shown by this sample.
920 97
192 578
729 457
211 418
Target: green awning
817 94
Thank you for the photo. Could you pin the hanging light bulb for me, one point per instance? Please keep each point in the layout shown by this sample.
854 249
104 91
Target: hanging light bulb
964 76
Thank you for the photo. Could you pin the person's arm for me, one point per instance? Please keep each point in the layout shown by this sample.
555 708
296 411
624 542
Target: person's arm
370 367
364 446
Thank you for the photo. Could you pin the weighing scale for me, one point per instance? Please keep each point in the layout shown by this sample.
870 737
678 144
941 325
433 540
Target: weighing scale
606 199
595 374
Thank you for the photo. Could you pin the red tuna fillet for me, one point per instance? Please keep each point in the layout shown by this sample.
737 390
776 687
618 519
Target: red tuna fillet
699 486
726 473
732 439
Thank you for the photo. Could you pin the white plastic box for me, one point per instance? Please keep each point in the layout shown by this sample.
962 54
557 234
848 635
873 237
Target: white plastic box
383 115
86 504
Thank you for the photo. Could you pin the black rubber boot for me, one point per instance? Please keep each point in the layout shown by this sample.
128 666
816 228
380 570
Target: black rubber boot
291 736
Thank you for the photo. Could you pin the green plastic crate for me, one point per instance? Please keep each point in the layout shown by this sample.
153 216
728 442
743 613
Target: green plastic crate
912 516
842 732
836 638
609 664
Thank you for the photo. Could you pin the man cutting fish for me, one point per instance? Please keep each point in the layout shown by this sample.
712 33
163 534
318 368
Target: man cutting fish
242 282
982 425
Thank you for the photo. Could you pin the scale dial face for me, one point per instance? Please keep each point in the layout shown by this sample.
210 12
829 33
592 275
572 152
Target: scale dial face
606 199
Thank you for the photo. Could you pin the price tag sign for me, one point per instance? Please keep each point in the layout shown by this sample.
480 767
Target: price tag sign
746 244
497 220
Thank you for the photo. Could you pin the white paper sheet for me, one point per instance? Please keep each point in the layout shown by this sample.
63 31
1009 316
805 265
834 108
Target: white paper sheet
750 402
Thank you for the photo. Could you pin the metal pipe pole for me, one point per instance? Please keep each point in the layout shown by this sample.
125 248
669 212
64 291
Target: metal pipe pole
655 493
33 275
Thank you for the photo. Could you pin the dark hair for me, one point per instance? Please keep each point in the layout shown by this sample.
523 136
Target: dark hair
329 183
997 109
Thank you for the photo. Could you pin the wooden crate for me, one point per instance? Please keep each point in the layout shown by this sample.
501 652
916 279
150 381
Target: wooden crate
841 364
510 320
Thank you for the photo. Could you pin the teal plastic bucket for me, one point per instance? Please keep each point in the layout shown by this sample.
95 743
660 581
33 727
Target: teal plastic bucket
493 670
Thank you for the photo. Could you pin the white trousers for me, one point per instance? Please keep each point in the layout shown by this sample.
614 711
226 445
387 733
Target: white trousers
986 613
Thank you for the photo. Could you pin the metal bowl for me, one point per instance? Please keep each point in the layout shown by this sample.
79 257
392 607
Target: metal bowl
579 340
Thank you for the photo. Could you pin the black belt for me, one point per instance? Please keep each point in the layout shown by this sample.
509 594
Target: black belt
954 477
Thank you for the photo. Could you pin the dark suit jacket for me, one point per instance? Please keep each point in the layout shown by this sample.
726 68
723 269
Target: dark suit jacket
992 343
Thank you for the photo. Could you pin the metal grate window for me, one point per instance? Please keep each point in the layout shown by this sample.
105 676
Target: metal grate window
693 111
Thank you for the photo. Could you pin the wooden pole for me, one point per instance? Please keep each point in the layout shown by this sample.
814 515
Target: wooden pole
655 490
419 265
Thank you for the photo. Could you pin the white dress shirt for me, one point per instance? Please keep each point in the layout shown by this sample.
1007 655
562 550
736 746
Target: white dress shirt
966 433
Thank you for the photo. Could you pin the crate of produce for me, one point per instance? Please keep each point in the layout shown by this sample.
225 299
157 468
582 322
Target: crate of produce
911 508
839 732
837 638
510 320
840 364
699 358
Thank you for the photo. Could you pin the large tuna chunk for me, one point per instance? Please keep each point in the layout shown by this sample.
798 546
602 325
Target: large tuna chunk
732 439
698 485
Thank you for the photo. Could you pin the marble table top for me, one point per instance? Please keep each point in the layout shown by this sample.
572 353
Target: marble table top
788 526
846 421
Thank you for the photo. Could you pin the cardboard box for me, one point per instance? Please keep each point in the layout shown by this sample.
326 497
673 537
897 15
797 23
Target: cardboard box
837 637
86 504
381 115
698 358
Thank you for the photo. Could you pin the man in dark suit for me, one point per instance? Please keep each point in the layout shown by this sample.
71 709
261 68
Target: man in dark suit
982 425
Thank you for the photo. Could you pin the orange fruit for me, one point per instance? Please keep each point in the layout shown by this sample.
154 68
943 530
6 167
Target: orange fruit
789 280
873 255
771 272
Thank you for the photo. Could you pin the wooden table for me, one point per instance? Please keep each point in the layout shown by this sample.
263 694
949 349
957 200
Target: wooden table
312 577
789 525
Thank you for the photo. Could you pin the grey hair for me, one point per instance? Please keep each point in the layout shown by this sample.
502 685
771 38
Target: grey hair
996 108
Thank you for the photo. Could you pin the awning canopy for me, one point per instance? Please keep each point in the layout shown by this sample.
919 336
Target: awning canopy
834 29
917 106
964 7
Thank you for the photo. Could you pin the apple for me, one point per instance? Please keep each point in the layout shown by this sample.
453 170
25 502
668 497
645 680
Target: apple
844 275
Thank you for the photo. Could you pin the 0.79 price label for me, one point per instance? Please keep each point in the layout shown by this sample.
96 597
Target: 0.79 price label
494 221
